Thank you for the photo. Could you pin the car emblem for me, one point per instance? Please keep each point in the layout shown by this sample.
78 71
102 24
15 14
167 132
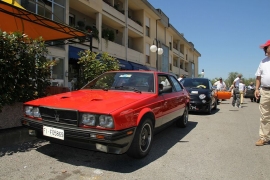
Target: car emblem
56 116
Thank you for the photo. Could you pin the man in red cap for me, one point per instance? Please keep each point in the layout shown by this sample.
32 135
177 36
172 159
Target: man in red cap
263 80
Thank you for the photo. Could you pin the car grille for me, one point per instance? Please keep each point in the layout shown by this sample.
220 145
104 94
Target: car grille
59 116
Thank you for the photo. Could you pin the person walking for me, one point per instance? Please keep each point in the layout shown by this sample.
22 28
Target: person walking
236 93
242 90
263 80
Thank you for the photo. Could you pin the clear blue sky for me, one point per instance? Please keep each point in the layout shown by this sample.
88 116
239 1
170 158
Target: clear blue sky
226 33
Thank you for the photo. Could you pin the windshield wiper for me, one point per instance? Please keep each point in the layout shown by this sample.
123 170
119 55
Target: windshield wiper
136 90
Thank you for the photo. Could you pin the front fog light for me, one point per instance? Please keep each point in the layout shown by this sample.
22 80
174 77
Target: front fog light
89 119
202 96
106 121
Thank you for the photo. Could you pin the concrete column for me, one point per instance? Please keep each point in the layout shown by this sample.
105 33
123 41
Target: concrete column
99 27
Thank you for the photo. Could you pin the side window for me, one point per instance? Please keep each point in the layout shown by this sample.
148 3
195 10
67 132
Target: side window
165 84
210 85
176 84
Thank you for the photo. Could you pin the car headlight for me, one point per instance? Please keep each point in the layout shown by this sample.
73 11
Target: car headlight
89 119
32 111
202 96
106 121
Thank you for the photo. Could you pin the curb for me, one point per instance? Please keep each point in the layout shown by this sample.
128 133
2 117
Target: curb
14 135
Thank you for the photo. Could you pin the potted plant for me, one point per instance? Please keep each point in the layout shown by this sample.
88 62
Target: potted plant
81 24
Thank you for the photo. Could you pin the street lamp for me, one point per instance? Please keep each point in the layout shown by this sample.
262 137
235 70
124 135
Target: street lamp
156 48
202 72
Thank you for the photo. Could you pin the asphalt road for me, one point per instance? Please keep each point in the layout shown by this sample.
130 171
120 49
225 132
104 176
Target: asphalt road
217 146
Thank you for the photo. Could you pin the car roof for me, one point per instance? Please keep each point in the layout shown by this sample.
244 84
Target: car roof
143 71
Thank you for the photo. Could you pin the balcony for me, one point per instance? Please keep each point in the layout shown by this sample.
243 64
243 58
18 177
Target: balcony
178 53
118 51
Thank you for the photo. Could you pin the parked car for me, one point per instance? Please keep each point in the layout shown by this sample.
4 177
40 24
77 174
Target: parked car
117 112
202 94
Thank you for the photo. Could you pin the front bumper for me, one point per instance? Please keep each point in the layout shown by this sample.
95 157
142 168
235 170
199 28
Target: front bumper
116 142
198 106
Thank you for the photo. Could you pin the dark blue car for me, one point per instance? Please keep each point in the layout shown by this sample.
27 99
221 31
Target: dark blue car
202 94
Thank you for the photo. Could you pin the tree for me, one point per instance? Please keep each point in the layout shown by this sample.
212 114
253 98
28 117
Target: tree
94 64
24 69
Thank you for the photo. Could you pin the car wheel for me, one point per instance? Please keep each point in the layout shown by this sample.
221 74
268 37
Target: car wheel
210 108
183 120
142 140
215 106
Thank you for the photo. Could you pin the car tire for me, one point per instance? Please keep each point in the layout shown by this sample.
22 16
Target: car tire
142 140
215 106
210 108
183 120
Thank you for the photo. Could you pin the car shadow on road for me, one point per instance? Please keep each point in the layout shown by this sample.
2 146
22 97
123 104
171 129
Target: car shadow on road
162 143
21 147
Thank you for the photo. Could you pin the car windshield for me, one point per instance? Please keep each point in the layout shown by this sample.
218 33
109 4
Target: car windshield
195 83
124 81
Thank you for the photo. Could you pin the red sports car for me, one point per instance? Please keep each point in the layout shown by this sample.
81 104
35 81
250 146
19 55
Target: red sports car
117 112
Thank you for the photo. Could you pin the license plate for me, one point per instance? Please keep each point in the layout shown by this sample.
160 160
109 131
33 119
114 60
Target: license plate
53 132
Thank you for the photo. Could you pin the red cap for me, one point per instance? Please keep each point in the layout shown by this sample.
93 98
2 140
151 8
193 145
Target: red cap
266 44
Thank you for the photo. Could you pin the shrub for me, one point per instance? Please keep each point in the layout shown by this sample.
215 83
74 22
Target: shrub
24 69
94 64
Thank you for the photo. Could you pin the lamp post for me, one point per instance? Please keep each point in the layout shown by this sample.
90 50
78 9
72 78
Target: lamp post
156 48
202 72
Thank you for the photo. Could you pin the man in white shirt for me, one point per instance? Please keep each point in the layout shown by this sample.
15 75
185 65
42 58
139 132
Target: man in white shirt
180 77
221 86
236 92
263 81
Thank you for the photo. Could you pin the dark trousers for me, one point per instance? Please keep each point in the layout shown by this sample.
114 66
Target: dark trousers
236 97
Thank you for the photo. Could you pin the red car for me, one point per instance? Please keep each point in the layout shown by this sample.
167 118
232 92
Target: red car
117 112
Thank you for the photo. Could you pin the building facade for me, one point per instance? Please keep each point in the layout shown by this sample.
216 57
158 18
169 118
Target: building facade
125 29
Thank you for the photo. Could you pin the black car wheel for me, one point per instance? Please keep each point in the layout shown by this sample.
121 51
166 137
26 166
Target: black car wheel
215 106
183 120
142 141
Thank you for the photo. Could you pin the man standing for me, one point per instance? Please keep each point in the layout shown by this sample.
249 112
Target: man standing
236 93
263 81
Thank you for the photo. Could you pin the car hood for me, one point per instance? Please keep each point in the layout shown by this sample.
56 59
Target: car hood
91 100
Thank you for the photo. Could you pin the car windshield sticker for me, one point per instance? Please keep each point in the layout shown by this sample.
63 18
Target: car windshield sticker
125 75
194 92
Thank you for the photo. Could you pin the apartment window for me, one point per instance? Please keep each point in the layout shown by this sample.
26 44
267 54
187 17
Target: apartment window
175 62
170 44
147 59
71 19
170 66
147 53
52 9
147 25
147 31
186 56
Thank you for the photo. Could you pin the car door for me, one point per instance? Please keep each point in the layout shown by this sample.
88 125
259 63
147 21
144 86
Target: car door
172 99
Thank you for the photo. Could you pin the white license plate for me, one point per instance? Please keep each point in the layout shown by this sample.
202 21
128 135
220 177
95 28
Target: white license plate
53 132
